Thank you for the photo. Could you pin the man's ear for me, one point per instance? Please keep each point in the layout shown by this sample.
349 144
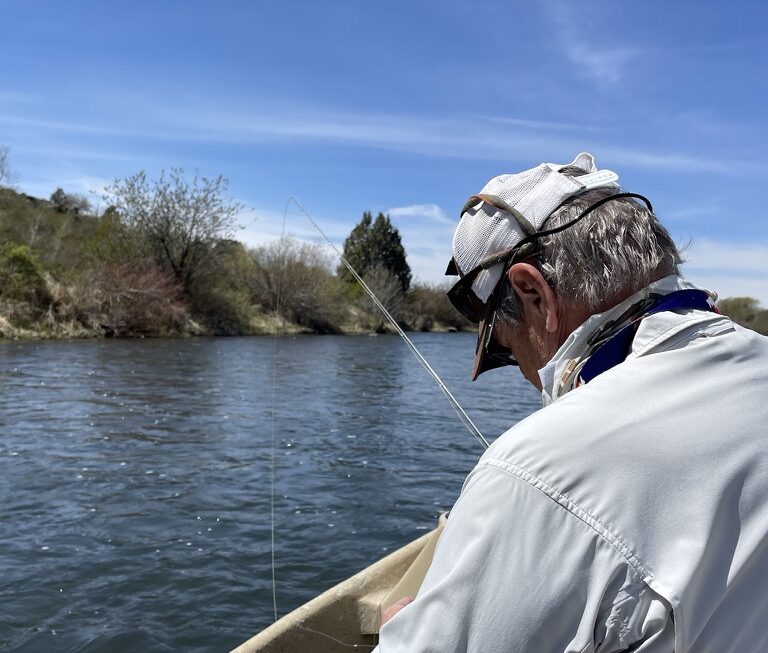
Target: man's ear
538 300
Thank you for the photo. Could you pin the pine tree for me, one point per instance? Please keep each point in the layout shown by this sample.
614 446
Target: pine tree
375 244
356 249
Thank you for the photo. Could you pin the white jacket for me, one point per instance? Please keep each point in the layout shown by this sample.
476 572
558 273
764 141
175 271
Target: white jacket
631 513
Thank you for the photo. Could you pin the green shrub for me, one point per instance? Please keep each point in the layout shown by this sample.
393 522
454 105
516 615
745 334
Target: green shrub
224 311
22 277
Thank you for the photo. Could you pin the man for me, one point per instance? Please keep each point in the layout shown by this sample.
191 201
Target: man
631 512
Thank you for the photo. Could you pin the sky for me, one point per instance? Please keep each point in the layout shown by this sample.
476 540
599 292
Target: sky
402 107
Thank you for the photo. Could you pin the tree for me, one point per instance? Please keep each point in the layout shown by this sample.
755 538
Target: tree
745 311
7 174
181 220
376 243
357 250
386 286
68 203
740 309
295 278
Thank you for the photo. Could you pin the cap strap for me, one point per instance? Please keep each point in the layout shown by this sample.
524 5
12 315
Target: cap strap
498 203
519 250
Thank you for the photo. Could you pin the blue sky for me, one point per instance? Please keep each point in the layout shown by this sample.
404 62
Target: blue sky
403 107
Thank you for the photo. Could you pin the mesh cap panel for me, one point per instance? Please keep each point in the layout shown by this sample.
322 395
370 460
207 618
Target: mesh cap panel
485 230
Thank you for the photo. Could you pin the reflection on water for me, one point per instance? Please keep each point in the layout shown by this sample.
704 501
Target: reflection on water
134 477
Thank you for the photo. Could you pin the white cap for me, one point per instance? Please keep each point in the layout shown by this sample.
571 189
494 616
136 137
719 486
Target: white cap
532 195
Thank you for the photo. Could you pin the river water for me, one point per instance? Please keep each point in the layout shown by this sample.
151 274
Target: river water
135 478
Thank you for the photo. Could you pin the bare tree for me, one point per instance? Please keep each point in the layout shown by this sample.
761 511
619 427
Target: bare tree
295 278
7 174
385 284
181 220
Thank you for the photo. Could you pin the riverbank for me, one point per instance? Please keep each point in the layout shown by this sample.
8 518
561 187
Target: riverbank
263 325
69 271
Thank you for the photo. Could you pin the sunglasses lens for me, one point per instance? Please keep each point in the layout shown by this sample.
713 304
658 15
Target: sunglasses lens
495 351
465 302
500 354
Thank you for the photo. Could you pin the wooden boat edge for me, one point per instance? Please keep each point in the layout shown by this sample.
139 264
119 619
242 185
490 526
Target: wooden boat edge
349 612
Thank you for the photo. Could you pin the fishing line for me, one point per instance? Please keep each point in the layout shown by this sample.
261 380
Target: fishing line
274 430
338 641
465 419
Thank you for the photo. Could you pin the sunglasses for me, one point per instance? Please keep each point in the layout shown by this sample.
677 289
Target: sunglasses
495 351
461 294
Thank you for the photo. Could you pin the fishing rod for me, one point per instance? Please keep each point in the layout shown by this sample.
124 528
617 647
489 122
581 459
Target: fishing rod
465 419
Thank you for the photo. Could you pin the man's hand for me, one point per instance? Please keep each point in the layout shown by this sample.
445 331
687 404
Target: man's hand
393 609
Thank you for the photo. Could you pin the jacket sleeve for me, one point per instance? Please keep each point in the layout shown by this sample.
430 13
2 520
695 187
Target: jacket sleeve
516 571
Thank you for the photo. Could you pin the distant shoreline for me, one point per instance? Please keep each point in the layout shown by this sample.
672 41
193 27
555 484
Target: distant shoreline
10 334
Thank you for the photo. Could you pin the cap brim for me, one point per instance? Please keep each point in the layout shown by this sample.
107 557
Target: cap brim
483 363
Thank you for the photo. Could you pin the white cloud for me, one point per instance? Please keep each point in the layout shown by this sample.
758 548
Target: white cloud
744 258
428 211
730 269
726 285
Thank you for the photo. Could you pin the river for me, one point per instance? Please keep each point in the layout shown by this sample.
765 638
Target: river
135 477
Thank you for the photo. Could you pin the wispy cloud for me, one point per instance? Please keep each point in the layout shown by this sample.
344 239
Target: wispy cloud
454 137
711 208
467 137
56 125
537 124
745 258
585 46
604 65
420 211
730 269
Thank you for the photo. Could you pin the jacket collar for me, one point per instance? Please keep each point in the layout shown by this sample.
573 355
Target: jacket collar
561 373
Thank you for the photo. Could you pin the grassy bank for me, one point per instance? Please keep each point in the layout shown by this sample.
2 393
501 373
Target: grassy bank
69 272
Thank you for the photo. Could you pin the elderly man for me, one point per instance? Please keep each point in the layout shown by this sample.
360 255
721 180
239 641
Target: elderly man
631 512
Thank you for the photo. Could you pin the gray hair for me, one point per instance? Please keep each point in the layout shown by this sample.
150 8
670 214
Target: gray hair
612 253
